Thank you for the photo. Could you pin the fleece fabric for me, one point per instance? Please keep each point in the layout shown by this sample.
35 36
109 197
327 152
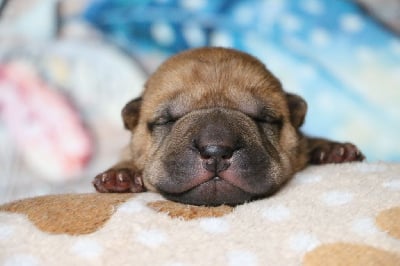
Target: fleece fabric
345 214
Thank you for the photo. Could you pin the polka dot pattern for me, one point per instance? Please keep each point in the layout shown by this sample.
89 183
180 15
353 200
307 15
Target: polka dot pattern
395 46
290 22
87 248
301 242
277 213
244 15
214 225
364 226
6 231
324 213
152 238
336 198
392 184
365 54
132 207
320 37
241 257
194 35
163 33
221 38
21 260
354 57
313 7
193 5
303 178
351 23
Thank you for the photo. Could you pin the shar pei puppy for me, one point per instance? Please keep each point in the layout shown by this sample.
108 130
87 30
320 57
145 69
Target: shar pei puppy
213 126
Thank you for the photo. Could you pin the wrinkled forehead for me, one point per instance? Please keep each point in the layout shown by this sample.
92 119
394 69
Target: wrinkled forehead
232 83
247 101
240 100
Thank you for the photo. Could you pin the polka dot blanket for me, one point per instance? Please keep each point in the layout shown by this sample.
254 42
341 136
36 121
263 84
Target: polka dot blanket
327 215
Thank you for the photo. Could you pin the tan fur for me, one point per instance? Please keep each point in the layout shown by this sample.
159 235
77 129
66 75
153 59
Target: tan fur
215 77
213 86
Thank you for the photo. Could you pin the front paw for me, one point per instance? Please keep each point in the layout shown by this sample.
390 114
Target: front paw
119 181
336 153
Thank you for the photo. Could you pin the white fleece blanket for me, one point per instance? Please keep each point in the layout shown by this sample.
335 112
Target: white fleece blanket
327 215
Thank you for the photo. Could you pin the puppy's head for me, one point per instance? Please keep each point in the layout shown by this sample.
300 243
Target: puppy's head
214 126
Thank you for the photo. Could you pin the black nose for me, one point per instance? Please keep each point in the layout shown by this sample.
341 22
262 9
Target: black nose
215 157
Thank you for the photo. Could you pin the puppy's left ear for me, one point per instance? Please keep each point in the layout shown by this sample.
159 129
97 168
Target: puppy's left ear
130 113
298 109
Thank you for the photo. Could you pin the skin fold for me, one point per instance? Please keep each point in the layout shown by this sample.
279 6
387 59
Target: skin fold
213 126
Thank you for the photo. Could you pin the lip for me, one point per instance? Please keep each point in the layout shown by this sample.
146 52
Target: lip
213 192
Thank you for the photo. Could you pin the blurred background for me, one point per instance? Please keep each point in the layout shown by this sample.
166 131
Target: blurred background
67 67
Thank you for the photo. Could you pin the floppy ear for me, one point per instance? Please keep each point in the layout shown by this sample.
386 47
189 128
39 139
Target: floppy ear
130 113
298 109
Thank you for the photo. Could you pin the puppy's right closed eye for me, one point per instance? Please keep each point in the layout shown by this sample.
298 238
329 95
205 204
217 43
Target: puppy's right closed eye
161 122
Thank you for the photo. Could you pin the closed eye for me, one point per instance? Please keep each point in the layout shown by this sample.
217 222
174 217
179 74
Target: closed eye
161 121
266 116
267 119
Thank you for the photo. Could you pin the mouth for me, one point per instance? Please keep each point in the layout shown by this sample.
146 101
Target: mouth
213 192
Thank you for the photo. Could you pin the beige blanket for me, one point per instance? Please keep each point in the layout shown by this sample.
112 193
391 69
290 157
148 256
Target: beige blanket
327 215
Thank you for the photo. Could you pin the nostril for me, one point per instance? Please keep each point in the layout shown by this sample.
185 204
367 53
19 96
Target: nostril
227 156
205 157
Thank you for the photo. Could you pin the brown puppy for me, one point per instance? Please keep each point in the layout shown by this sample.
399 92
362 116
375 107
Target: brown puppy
214 126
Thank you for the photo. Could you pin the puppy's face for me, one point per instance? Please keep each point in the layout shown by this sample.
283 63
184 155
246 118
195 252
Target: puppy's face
214 127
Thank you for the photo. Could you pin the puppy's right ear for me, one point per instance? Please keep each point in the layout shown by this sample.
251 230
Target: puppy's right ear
130 113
